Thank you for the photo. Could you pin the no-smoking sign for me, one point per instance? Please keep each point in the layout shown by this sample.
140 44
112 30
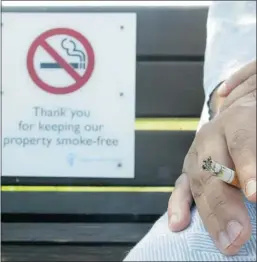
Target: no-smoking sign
67 65
60 61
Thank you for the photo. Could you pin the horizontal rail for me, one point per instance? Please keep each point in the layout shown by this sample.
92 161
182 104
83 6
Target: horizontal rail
84 189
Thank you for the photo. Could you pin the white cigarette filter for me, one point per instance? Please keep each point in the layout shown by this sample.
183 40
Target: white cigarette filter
222 172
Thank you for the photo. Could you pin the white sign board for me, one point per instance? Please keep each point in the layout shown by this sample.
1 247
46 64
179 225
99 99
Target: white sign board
68 102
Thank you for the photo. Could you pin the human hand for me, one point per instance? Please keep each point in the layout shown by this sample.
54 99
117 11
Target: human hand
230 141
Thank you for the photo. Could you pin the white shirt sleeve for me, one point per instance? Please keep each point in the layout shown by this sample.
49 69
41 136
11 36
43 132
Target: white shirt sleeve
230 43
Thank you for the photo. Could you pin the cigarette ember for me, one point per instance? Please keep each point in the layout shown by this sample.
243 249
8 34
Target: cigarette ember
222 172
208 165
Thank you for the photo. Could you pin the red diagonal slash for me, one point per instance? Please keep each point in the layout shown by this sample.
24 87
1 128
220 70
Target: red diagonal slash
61 61
79 80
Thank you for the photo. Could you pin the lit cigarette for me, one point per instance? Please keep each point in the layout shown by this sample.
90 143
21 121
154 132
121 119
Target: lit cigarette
222 172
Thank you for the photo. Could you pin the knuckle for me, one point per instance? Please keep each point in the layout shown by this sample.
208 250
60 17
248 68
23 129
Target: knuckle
240 140
216 198
251 82
211 215
197 194
240 136
219 202
196 188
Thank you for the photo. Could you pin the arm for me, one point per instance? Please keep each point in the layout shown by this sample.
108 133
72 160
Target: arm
230 45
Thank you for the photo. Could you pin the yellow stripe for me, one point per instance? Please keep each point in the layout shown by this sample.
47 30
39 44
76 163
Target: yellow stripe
84 189
167 124
155 124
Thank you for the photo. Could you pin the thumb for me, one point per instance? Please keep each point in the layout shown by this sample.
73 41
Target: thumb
179 207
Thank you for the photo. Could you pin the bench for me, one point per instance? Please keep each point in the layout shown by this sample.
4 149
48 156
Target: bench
51 219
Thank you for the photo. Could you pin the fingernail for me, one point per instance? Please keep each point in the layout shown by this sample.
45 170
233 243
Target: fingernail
222 90
234 229
174 219
224 240
251 188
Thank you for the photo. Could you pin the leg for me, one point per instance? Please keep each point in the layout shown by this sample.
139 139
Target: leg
193 244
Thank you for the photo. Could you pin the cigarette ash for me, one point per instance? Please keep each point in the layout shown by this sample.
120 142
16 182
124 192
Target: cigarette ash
210 165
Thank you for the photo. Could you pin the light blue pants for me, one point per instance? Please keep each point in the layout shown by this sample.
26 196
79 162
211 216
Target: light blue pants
193 244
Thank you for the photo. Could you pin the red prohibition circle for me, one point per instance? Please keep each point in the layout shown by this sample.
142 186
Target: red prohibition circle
40 41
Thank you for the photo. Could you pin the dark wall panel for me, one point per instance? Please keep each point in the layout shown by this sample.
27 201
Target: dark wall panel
167 31
172 89
84 203
172 31
64 253
74 232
